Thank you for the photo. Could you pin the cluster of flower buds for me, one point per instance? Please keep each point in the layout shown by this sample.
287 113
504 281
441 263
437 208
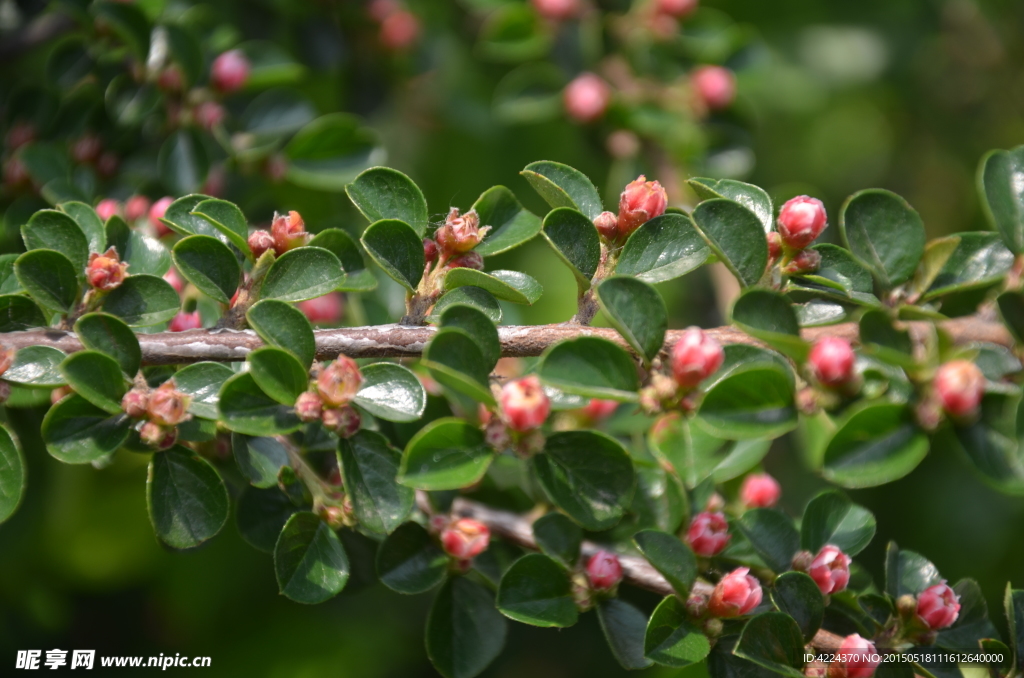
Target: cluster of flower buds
760 490
399 28
640 202
230 71
586 98
459 234
287 231
830 568
463 538
106 271
695 357
801 220
523 409
708 533
856 658
159 410
604 572
736 594
330 403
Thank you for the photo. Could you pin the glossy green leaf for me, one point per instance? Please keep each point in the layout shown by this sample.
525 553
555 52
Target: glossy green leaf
96 377
228 219
331 151
110 335
591 367
513 286
357 277
281 324
245 408
53 230
180 218
770 317
309 560
77 432
1001 184
477 297
575 241
202 382
625 628
557 536
465 632
908 572
478 326
877 444
302 273
991 444
37 366
660 500
773 640
50 279
183 162
276 114
369 466
1014 604
186 52
735 235
259 459
511 224
563 186
672 639
696 454
143 300
669 556
752 197
456 360
772 535
882 339
278 373
384 193
1011 308
208 264
588 475
663 248
391 392
90 223
755 400
797 595
398 249
12 475
188 502
409 561
18 313
637 311
446 454
142 253
831 518
839 276
536 590
980 259
885 233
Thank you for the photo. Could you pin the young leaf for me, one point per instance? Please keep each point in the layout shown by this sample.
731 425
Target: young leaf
735 235
831 518
391 392
309 560
624 628
278 373
110 335
202 382
87 220
670 556
796 594
358 277
143 300
511 224
773 536
773 640
384 193
302 273
208 264
50 279
558 537
37 366
637 311
513 286
536 590
18 313
53 230
752 197
878 443
456 360
228 219
465 632
447 454
563 186
369 466
1000 186
591 367
979 260
96 377
884 232
245 408
671 638
769 316
409 561
12 474
281 324
77 432
188 502
663 248
260 459
575 241
398 249
908 572
478 326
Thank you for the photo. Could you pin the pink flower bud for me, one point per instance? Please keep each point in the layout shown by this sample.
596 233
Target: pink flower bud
156 213
6 358
598 409
309 406
185 321
737 593
465 538
858 656
830 569
230 70
604 571
708 534
106 271
175 280
107 208
640 202
325 310
288 231
209 114
831 361
586 98
801 220
429 250
806 261
960 385
168 406
557 10
378 10
471 260
677 8
158 436
135 403
607 225
260 242
938 606
399 30
339 382
695 357
345 420
524 404
460 233
136 207
760 490
714 86
774 245
86 149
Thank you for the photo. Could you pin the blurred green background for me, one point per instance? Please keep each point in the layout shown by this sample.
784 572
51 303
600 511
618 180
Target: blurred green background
835 97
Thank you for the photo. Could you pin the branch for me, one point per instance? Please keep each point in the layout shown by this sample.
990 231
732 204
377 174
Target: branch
405 341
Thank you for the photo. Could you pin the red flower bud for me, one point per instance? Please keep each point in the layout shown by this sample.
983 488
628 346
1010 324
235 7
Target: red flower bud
830 569
325 310
339 382
695 357
175 280
557 10
598 409
309 406
429 250
465 538
737 593
6 358
156 213
209 114
345 420
586 98
760 490
640 202
136 207
774 246
938 606
715 86
806 261
604 571
708 534
289 232
168 406
859 659
831 361
106 271
86 149
230 70
260 242
185 321
960 385
607 225
135 403
677 8
399 30
471 260
158 436
460 233
524 404
107 208
801 220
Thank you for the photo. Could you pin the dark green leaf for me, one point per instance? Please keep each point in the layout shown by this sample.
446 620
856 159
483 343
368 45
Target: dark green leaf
309 560
881 338
1011 308
259 459
398 249
591 367
722 663
624 628
536 590
447 454
228 219
669 556
128 22
302 273
180 218
660 499
49 278
87 220
208 264
513 286
672 639
188 502
12 475
972 623
358 277
96 377
831 518
478 326
186 52
37 366
409 561
991 443
456 360
752 197
245 408
53 230
512 33
77 432
735 235
110 335
391 392
477 297
575 241
885 233
696 454
796 594
663 248
558 537
142 253
563 186
183 162
1002 191
330 152
511 224
637 311
280 324
753 400
840 275
908 572
202 382
19 313
276 114
385 193
464 630
1014 603
369 466
143 300
877 444
773 536
770 317
278 373
773 640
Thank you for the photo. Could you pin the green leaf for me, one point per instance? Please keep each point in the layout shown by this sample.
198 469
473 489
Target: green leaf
391 392
77 432
797 595
245 408
575 241
143 254
660 499
369 466
669 556
409 561
276 114
588 475
1014 603
128 22
769 316
512 33
282 325
563 186
878 443
270 65
754 400
202 382
37 366
558 537
330 152
447 454
87 220
536 590
752 197
18 313
591 367
831 518
465 632
188 502
637 311
186 52
180 218
880 338
884 232
53 230
477 297
456 360
991 443
183 162
50 279
772 535
398 249
143 300
384 193
1000 185
773 640
302 273
625 628
259 459
696 454
513 286
979 260
309 560
96 377
228 219
839 276
110 335
908 572
478 326
1011 308
937 254
278 373
972 623
208 264
663 248
357 277
12 474
511 224
671 638
736 236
